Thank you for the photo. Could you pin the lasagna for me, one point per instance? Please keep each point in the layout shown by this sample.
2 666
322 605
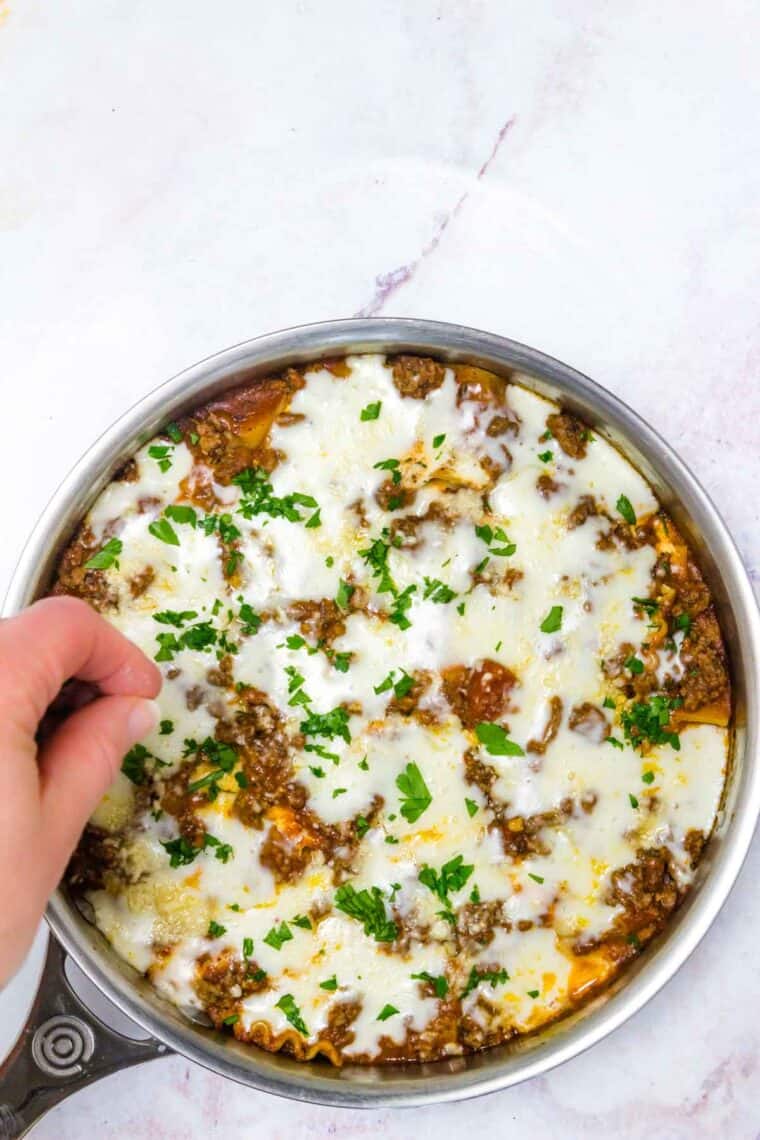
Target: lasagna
445 714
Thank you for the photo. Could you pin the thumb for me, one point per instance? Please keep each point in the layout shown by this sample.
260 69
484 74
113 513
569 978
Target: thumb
80 762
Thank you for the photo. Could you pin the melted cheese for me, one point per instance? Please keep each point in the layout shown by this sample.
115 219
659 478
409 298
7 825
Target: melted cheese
550 898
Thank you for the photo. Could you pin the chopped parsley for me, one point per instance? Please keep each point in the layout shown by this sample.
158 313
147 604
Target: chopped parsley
361 825
632 800
683 622
166 728
532 993
164 531
181 851
545 456
303 921
495 740
278 935
339 792
329 984
367 907
250 621
452 877
553 620
330 724
437 981
471 806
340 661
648 776
635 665
231 1019
401 605
438 439
247 947
495 977
173 431
316 771
624 508
391 465
133 764
417 798
258 497
535 878
287 1004
649 605
609 703
177 618
386 1012
215 929
614 742
376 557
371 411
320 750
363 764
646 722
344 594
315 520
489 535
162 453
107 556
438 591
179 513
223 756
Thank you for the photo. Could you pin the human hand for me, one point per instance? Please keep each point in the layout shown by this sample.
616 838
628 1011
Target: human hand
50 789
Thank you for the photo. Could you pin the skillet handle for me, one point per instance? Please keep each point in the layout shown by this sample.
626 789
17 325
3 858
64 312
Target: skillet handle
62 1048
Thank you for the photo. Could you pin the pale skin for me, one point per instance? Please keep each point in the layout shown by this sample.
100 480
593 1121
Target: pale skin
50 789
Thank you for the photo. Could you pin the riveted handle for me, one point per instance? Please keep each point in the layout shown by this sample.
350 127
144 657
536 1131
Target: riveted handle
62 1048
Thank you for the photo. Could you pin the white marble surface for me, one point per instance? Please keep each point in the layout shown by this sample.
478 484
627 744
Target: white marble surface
581 175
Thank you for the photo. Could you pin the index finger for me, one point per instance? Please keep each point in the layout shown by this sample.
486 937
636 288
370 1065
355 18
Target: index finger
59 638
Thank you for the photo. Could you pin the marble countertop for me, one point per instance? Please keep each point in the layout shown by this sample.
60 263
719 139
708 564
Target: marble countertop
581 175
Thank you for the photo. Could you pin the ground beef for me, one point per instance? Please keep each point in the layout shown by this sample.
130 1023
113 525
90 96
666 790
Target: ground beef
502 425
97 856
585 508
128 473
479 773
706 678
230 433
646 890
589 721
477 922
407 704
140 582
546 486
694 842
480 693
341 1016
551 728
692 596
570 433
285 859
322 621
521 835
492 469
76 579
221 983
407 527
415 376
392 496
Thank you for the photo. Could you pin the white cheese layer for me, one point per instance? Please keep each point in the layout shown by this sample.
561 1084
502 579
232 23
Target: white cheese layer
485 560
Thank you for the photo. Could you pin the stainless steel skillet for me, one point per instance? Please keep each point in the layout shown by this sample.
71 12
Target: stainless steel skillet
64 1046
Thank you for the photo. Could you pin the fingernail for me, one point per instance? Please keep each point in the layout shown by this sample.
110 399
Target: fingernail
143 719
